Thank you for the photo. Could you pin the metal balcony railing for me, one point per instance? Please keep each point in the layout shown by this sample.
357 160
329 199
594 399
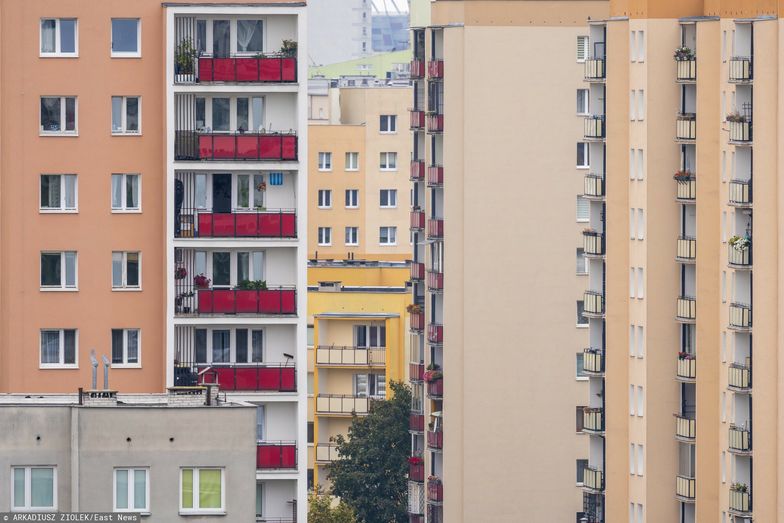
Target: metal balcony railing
686 309
593 420
193 300
593 186
686 251
740 316
593 361
687 367
739 439
256 377
239 223
686 70
740 499
593 303
276 455
740 193
686 126
740 69
739 377
344 403
685 428
686 188
235 146
594 69
685 489
327 355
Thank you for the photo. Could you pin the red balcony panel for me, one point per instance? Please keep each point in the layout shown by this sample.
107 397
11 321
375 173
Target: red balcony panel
435 490
263 224
417 68
289 69
247 301
436 388
222 225
224 147
205 69
223 301
435 175
254 377
246 225
416 472
246 378
205 224
435 228
276 456
288 379
277 225
222 69
417 170
247 147
205 146
435 68
435 280
247 69
289 456
205 301
277 301
435 333
418 321
230 301
289 148
225 377
270 147
416 371
417 119
417 219
417 271
435 439
416 422
275 379
269 69
435 122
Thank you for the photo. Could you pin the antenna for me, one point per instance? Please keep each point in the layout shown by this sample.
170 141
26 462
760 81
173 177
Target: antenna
94 363
105 372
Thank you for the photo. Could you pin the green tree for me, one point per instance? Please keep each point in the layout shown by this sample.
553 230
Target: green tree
371 475
322 510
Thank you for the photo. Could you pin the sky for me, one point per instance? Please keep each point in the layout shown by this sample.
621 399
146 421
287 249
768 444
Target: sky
380 6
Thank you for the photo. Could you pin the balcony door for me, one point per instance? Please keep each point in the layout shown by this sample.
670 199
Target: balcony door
221 38
221 193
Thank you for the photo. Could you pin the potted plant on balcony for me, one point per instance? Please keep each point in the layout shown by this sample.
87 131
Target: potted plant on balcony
415 460
740 487
683 174
736 117
252 285
740 243
201 281
683 54
289 48
685 356
413 308
590 231
184 57
433 373
180 273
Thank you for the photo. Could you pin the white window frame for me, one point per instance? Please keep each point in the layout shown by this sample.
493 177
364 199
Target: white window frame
57 43
324 161
391 195
124 116
585 48
28 489
124 194
353 192
126 54
640 46
209 31
196 509
390 228
355 231
577 357
233 359
585 203
352 161
384 161
124 287
324 198
586 156
62 209
324 236
584 270
125 364
131 490
63 286
233 126
586 105
391 121
61 364
62 132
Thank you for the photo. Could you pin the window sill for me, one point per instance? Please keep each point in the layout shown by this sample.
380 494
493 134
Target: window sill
352 170
57 366
58 289
387 244
353 207
388 206
126 211
352 245
324 208
325 245
325 170
582 325
58 55
585 167
58 211
387 170
126 366
126 55
581 378
126 133
126 289
202 512
35 509
387 132
68 134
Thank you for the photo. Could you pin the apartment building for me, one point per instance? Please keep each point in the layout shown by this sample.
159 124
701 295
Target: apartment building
682 99
358 192
339 30
498 332
159 207
357 312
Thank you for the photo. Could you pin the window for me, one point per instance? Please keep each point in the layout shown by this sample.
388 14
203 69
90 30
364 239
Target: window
58 192
583 157
325 161
249 36
59 270
632 105
388 123
582 261
311 436
126 193
641 104
58 115
640 46
352 161
388 162
582 464
352 235
631 400
126 37
201 490
633 46
126 115
59 37
34 488
352 198
640 460
640 283
387 235
250 197
370 385
58 347
126 347
131 490
632 282
581 319
632 223
640 341
583 209
325 198
579 418
582 48
640 164
640 401
582 101
126 270
325 235
388 198
631 340
632 164
632 457
639 513
579 359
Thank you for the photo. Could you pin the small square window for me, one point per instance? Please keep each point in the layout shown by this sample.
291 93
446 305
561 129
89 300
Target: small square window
126 38
58 193
388 123
59 348
388 236
132 490
59 270
58 115
388 198
325 236
126 193
352 161
324 161
583 156
388 161
324 198
582 101
201 491
34 489
352 236
126 115
126 270
59 37
126 348
352 198
581 319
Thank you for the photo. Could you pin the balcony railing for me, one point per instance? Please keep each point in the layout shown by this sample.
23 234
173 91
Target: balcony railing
435 439
593 243
740 499
686 126
593 303
686 189
240 223
593 479
593 127
739 439
273 301
416 472
687 367
739 258
740 316
435 175
593 507
593 361
243 146
594 69
435 122
256 377
327 452
416 502
418 321
416 371
417 171
435 490
593 420
417 271
593 186
686 309
685 488
273 68
740 131
740 193
435 281
435 68
343 404
686 70
435 228
740 69
350 356
417 119
417 220
435 388
687 249
417 69
435 333
276 455
685 428
739 377
416 422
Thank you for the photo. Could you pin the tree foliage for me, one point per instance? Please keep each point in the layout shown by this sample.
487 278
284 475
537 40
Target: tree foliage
371 475
321 509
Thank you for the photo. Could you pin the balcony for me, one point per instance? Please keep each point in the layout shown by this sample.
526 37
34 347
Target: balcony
337 356
593 507
416 371
593 127
686 309
594 70
593 243
417 119
740 69
276 455
740 129
739 258
417 171
593 362
416 422
435 122
686 70
435 386
416 502
739 439
269 301
435 228
418 321
326 452
435 175
740 499
739 377
593 479
435 281
686 251
435 439
685 428
435 490
343 404
686 127
687 367
685 489
231 146
740 193
417 220
416 469
435 333
740 316
435 69
593 304
250 377
593 187
240 223
272 68
593 420
686 187
417 69
417 271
